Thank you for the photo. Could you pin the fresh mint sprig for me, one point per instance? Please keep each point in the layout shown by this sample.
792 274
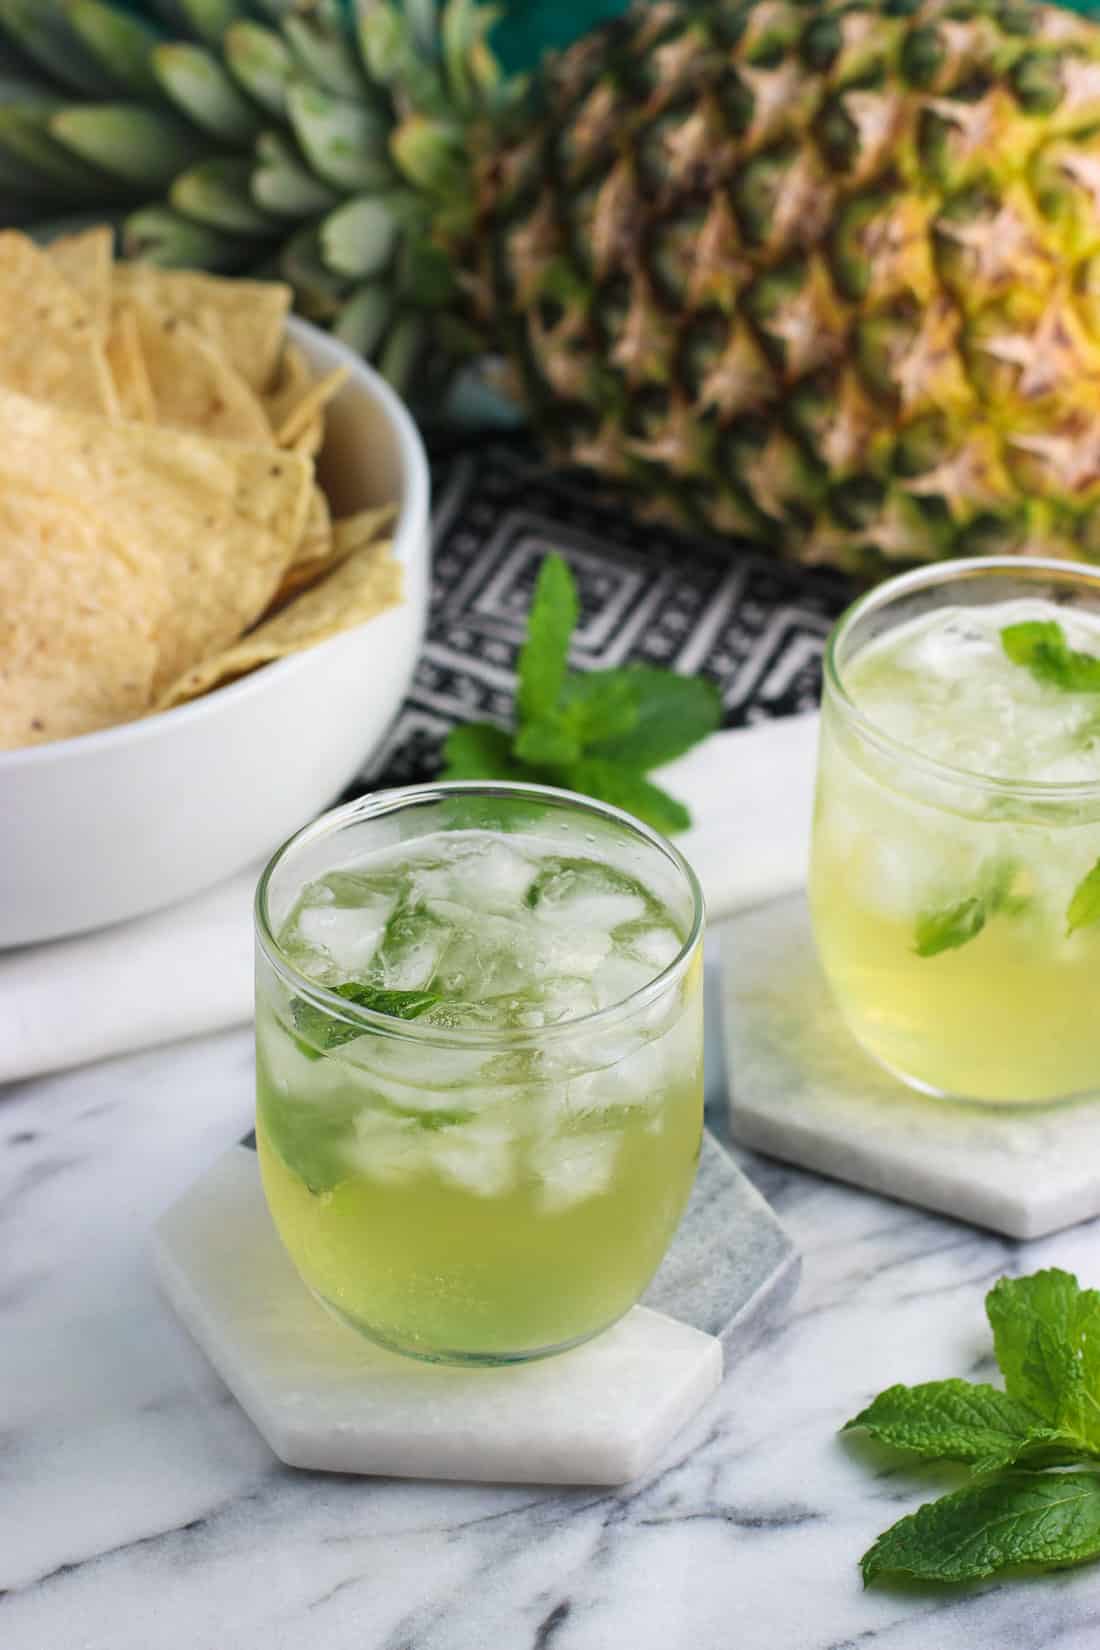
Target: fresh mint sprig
1040 645
598 732
947 927
318 1032
1021 1506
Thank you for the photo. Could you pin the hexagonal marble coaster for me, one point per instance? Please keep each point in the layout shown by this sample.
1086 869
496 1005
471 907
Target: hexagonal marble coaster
803 1090
324 1397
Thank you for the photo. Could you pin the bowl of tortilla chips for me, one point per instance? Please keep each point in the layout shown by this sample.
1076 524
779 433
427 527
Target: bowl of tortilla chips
213 579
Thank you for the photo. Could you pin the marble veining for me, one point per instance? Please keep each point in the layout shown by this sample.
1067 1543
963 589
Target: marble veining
140 1510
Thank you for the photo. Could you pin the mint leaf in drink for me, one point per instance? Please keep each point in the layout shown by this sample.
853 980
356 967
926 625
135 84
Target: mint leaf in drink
542 660
608 782
1040 645
1018 1517
1003 891
956 1421
949 928
673 713
318 1032
478 750
1084 907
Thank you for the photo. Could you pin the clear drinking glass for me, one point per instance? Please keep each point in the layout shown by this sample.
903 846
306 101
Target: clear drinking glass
957 822
479 1064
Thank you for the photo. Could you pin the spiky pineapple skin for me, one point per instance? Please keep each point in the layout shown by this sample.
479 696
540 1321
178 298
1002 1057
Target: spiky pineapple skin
821 272
825 273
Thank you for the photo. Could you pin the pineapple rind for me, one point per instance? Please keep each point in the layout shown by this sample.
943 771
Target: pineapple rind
827 274
821 272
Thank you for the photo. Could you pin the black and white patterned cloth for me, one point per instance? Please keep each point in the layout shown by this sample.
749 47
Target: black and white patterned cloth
648 593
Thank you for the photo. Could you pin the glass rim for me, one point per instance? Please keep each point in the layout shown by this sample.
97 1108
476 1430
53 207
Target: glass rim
919 578
375 804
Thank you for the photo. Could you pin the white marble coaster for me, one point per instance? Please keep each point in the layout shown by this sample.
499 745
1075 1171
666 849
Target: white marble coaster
324 1397
802 1089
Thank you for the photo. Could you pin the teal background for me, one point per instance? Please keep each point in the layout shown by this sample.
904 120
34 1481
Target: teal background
530 27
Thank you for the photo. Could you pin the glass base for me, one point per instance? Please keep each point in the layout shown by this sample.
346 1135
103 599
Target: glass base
980 1102
448 1356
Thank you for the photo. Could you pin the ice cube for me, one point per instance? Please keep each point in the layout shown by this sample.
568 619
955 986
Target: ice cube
566 997
404 1097
586 894
489 956
349 935
619 977
480 873
478 1157
418 1065
636 1078
358 888
570 1169
385 1147
294 1073
412 948
656 946
567 951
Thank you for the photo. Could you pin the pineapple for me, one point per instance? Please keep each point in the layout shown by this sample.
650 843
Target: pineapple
825 273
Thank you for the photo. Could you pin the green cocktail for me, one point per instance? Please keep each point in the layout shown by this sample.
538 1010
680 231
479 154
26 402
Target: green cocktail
479 1065
955 878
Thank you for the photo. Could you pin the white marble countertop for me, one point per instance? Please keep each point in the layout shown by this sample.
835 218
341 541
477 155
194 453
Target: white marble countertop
139 1510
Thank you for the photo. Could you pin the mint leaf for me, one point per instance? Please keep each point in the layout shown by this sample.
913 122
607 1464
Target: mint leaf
546 745
1046 1334
956 1421
1084 908
596 732
1005 884
542 660
1016 1518
608 782
673 714
478 750
947 929
1040 646
319 1032
599 704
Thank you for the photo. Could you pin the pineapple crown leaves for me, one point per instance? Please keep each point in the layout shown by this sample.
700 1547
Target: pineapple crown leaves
313 140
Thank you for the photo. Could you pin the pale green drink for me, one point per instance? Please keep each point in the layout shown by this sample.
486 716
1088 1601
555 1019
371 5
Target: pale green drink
491 1167
957 829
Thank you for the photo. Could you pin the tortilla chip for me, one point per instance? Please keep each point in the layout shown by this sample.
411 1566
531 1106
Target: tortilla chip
77 617
243 320
352 531
311 440
316 538
309 406
292 380
127 364
325 546
193 387
50 347
301 576
222 520
84 259
364 585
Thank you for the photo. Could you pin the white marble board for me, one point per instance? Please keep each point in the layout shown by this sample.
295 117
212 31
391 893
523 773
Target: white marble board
801 1089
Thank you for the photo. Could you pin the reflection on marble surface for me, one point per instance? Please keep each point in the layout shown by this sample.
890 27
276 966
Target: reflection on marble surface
140 1510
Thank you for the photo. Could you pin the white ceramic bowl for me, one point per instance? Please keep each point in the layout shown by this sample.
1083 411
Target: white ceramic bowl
132 818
